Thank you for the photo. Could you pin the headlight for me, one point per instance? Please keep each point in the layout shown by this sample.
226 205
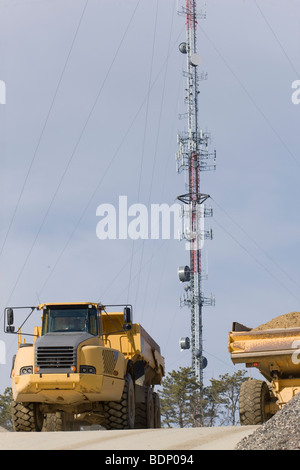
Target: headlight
87 370
26 370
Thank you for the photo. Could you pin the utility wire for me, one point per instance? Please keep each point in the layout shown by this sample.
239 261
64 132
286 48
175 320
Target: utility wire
143 147
107 168
113 281
74 150
257 260
256 244
44 127
154 163
144 265
277 39
231 366
258 108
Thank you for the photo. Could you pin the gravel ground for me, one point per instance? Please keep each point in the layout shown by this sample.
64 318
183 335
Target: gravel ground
281 432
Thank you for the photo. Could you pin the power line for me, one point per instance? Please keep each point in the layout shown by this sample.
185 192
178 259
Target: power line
44 127
258 261
277 39
163 187
258 108
154 163
154 253
256 244
144 141
74 150
108 167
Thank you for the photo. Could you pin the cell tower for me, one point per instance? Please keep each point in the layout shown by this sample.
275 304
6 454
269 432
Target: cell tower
193 157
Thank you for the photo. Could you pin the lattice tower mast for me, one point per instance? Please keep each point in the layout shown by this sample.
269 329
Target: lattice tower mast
193 156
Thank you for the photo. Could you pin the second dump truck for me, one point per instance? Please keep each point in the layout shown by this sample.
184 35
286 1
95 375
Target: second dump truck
84 365
275 353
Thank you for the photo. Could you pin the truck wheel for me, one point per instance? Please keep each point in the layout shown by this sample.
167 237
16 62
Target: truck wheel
121 414
59 421
254 396
140 416
147 414
54 422
26 417
150 409
157 417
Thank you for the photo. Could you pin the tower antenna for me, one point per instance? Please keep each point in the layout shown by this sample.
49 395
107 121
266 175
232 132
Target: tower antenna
193 157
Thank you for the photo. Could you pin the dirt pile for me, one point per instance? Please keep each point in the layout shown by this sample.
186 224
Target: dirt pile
290 320
281 432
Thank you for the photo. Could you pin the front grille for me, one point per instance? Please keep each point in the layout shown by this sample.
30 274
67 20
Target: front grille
55 357
109 361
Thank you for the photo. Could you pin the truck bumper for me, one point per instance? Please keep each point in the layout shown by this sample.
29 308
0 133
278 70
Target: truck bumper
66 388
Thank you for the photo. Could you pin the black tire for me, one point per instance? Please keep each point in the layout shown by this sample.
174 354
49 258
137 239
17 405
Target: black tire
59 421
26 417
54 422
140 416
147 414
150 409
157 415
121 414
254 396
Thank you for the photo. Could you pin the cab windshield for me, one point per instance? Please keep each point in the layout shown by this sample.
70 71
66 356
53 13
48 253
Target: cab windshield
67 319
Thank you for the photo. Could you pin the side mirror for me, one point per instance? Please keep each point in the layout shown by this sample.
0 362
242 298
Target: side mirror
10 316
127 319
127 315
10 320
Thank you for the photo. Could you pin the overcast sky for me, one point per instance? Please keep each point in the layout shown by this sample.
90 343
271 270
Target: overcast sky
93 93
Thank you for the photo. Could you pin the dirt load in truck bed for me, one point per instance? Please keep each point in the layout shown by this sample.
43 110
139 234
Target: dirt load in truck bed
290 320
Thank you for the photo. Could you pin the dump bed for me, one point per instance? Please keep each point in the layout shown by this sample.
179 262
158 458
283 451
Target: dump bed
136 344
275 352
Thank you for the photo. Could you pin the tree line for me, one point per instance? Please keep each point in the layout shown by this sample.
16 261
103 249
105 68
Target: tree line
186 403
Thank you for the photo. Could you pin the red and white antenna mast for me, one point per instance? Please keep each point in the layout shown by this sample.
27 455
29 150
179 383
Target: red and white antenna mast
194 157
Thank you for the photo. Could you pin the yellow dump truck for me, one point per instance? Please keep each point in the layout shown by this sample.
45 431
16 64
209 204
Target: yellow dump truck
276 354
84 365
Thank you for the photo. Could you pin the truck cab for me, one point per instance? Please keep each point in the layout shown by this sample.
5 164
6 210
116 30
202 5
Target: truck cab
64 328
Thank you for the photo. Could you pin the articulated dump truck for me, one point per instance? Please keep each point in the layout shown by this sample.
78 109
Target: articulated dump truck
84 365
275 352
